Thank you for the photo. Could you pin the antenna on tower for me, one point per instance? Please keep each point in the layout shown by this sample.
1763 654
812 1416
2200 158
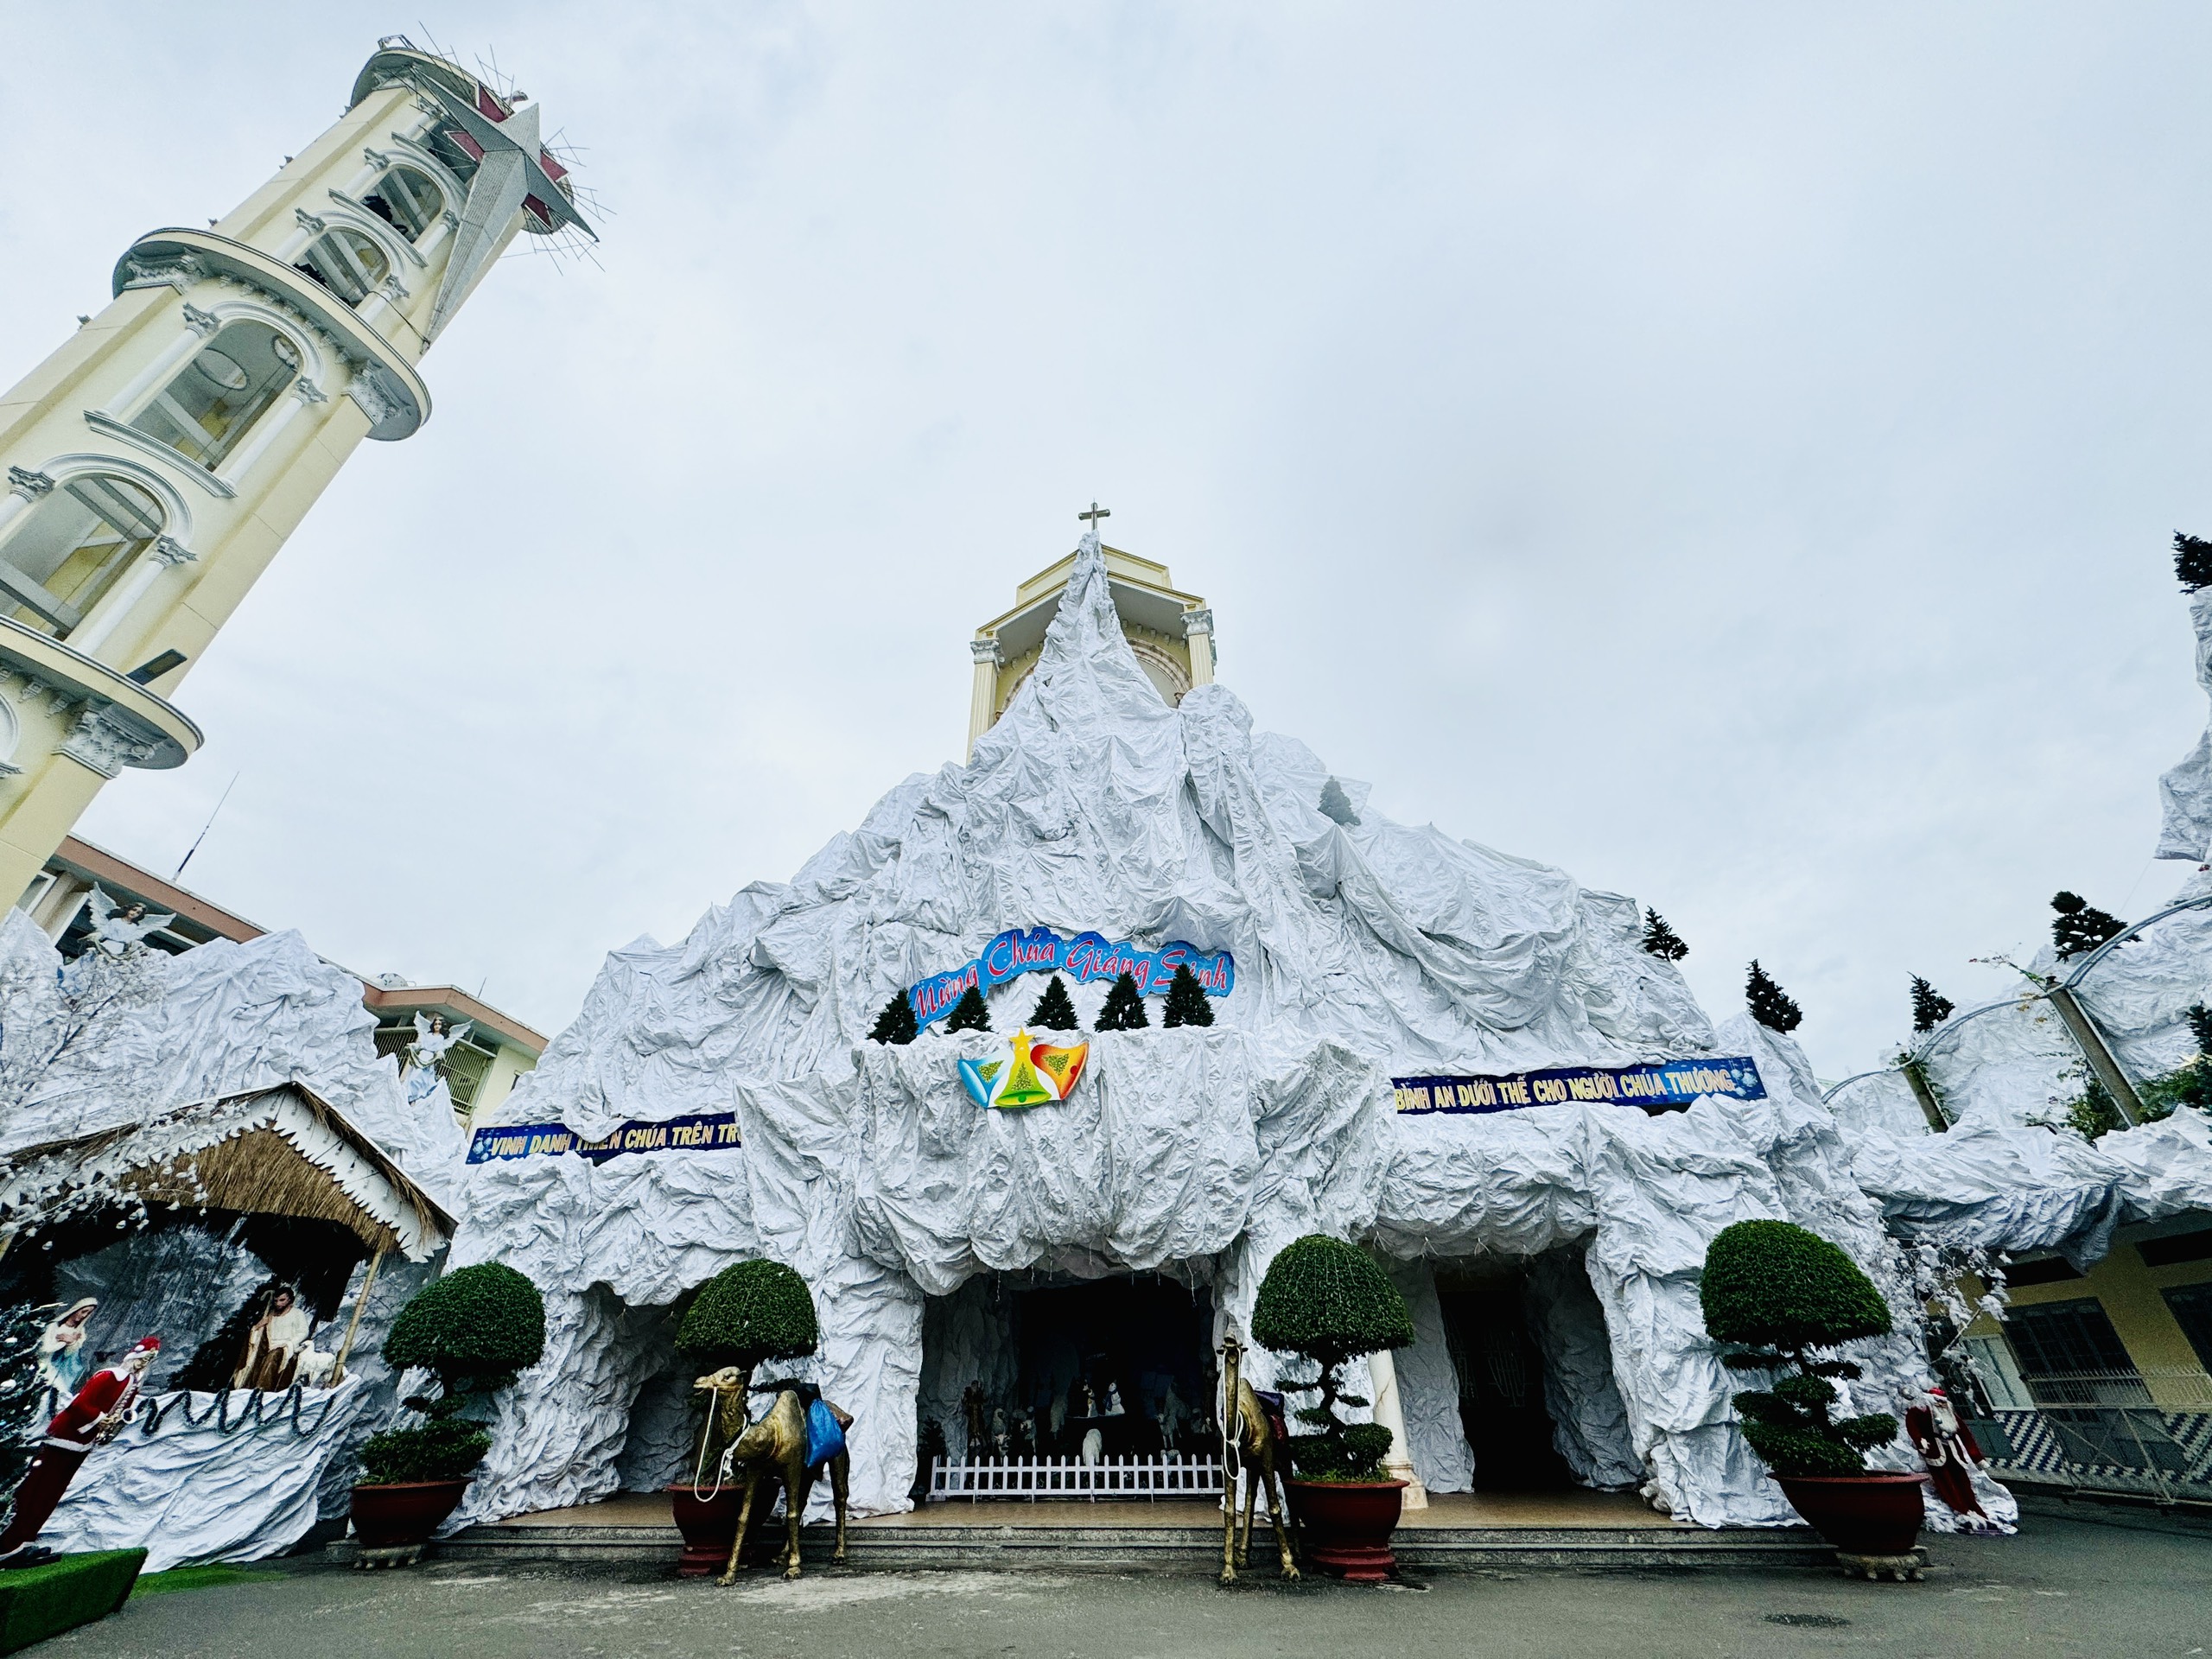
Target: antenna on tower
204 829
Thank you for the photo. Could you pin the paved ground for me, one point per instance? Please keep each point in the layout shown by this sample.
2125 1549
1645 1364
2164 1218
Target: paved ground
2064 1586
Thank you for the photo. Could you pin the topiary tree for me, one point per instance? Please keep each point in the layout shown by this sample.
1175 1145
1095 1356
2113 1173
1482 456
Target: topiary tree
1785 1297
2081 925
1326 1302
1770 1004
749 1313
474 1330
2192 562
896 1024
1124 1009
1660 940
1931 1007
1187 1003
971 1012
1054 1011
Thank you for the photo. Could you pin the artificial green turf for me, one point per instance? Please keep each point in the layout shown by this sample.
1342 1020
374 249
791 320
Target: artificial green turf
37 1602
198 1578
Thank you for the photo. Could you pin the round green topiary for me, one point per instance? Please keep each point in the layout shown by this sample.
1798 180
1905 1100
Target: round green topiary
1327 1300
1771 1284
475 1327
748 1312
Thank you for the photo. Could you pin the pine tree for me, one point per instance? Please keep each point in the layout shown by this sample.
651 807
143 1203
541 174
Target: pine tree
1660 940
20 1392
1931 1007
1187 1001
1770 1004
896 1023
2192 562
2081 925
2200 1026
1054 1012
1124 1009
970 1014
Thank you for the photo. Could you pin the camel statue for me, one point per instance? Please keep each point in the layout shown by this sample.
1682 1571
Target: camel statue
773 1450
1250 1443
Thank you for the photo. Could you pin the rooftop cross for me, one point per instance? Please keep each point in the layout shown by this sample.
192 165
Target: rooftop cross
1095 513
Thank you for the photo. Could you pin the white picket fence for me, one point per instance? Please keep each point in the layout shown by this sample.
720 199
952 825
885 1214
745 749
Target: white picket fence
1168 1475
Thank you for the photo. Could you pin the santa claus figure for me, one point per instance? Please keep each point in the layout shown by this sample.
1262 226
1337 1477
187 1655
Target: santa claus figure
1947 1447
92 1418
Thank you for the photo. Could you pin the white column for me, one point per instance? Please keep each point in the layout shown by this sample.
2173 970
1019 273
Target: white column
1197 631
305 392
198 326
983 696
95 630
24 487
1382 1372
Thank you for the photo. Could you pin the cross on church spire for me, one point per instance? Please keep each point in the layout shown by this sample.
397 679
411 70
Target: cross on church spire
1095 513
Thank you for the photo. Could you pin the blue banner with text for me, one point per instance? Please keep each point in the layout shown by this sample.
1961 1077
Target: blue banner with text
698 1132
1669 1085
1086 957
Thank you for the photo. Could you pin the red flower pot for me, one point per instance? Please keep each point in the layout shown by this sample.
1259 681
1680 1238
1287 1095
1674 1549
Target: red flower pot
1344 1526
1874 1514
405 1515
708 1520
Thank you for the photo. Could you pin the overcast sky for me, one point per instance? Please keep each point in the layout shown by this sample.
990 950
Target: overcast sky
1727 451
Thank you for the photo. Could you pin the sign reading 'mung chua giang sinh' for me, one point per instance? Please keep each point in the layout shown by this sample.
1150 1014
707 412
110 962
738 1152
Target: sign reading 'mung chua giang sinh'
1085 958
1666 1086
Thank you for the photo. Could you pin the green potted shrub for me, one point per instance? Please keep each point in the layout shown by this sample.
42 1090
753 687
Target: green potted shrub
1326 1302
473 1330
749 1313
1785 1299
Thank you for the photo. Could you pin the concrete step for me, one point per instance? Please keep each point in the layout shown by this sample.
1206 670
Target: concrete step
1007 1546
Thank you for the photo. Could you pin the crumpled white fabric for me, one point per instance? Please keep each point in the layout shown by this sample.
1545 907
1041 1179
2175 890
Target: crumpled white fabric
189 1496
2185 792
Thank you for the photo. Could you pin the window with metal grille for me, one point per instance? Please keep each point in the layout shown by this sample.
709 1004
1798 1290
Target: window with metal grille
2063 1338
2192 1310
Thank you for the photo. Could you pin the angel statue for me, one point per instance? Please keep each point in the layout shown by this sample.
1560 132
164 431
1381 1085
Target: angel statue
432 1039
116 931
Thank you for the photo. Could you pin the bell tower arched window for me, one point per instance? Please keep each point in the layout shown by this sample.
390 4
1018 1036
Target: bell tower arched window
348 262
227 386
73 546
407 201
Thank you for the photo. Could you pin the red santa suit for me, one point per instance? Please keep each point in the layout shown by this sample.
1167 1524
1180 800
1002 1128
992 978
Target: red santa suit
1947 1447
100 1405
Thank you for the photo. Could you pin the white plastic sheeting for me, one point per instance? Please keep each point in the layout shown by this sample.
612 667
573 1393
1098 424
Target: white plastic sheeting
1363 949
2185 792
187 1495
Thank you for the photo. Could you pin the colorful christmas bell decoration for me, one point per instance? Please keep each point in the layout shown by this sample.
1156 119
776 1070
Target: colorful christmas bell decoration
1036 1073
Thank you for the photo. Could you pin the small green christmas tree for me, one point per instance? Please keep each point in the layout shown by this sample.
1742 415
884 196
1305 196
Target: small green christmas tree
2081 925
1931 1007
1187 1001
896 1023
21 1394
1124 1009
970 1014
2192 561
2200 1026
1054 1012
1770 1004
1660 940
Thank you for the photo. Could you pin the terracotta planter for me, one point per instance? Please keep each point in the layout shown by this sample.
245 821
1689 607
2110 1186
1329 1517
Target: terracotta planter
1874 1514
708 1520
1344 1526
404 1515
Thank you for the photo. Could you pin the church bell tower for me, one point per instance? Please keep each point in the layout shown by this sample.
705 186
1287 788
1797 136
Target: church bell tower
158 460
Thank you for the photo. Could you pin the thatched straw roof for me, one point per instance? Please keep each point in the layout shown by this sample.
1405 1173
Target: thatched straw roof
281 1151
